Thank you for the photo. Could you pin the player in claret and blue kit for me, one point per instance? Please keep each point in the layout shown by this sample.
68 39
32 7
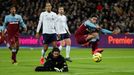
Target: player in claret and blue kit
12 23
88 34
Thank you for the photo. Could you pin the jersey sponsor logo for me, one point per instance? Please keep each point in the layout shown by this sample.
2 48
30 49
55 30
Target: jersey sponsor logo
15 22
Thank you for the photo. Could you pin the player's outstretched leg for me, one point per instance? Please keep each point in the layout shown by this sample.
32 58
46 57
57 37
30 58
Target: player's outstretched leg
95 48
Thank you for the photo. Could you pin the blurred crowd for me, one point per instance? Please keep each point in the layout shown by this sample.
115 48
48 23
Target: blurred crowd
115 15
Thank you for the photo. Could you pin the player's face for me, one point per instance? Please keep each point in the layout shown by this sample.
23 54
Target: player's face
48 7
94 19
56 54
61 10
13 10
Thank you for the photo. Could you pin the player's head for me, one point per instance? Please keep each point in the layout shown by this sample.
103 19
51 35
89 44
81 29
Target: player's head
48 7
55 52
61 10
93 18
13 10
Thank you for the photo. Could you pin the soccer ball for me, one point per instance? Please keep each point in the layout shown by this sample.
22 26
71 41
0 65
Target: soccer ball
97 57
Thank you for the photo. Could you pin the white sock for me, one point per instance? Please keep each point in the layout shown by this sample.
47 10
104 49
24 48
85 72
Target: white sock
67 51
43 52
8 45
13 50
60 47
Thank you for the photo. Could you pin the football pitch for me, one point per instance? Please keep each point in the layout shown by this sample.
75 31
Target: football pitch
116 61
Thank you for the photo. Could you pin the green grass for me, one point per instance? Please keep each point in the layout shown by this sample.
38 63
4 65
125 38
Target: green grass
116 61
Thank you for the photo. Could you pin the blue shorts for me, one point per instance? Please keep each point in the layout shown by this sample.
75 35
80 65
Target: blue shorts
64 36
49 38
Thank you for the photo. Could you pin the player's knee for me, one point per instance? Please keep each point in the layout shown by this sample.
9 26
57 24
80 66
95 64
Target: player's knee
95 34
89 37
68 43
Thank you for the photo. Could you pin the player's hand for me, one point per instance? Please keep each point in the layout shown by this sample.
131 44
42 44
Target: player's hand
37 35
2 34
69 33
57 69
114 32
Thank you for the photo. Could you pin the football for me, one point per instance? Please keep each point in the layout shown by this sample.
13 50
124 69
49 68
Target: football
97 57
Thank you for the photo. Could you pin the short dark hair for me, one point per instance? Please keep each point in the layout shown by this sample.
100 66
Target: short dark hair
55 50
94 15
13 6
47 3
61 6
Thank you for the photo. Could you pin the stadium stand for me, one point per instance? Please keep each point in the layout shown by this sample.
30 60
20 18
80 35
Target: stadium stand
115 15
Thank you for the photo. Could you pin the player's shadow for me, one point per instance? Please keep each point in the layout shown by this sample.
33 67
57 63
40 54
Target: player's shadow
89 68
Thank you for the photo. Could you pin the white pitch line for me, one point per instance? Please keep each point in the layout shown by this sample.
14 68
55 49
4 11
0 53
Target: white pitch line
75 58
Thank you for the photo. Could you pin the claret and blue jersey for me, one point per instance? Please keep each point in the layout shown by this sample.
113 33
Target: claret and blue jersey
14 20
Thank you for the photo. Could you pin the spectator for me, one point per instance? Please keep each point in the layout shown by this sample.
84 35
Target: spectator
117 11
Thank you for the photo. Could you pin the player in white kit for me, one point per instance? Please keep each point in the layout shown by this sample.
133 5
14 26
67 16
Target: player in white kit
47 21
63 32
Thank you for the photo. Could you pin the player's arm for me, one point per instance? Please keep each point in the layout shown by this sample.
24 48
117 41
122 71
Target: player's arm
1 30
56 24
66 27
23 24
5 23
39 25
105 31
64 66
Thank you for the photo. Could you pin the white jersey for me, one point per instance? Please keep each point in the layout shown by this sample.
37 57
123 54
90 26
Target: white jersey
47 21
61 24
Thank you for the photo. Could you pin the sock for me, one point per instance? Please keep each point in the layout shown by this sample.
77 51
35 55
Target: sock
17 50
94 46
60 47
14 55
67 51
43 52
8 45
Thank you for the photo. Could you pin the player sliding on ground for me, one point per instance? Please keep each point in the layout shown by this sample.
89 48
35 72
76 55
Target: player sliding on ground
54 62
